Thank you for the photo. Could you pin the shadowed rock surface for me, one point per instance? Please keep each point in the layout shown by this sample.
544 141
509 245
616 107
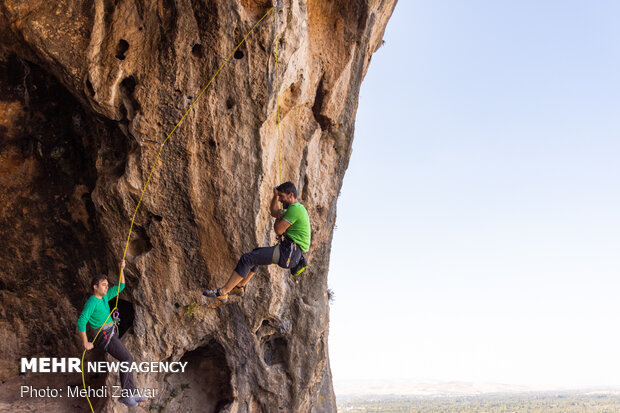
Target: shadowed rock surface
88 90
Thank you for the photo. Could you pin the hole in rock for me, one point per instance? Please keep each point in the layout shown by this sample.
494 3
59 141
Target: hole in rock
230 103
127 88
138 247
123 110
205 386
265 329
140 244
275 351
198 50
122 47
317 107
126 314
129 85
90 88
238 54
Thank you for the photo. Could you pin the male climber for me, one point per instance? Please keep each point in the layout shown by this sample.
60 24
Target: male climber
97 312
293 229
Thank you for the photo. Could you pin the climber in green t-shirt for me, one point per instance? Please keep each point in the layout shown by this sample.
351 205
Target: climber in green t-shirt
97 313
292 226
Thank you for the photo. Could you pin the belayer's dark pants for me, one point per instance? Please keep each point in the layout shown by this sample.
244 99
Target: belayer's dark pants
116 349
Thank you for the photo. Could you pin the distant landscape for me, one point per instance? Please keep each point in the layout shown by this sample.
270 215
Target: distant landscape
592 402
436 396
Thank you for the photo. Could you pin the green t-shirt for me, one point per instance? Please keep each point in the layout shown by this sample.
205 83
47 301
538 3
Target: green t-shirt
96 310
299 231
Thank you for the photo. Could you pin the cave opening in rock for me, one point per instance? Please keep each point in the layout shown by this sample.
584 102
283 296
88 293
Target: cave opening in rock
238 54
122 47
275 351
127 315
48 150
198 50
206 384
129 85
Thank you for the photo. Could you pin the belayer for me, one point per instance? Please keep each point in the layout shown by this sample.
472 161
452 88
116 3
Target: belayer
292 226
97 312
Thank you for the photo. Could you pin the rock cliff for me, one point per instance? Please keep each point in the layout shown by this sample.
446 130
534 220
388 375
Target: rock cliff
88 91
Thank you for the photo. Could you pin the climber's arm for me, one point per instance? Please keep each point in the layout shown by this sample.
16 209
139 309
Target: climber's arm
122 272
280 226
87 344
274 208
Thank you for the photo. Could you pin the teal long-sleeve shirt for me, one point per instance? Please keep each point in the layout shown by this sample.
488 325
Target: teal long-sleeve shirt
96 310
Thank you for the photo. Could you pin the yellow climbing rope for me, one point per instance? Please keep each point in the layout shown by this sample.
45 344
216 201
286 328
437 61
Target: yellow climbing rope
275 45
161 147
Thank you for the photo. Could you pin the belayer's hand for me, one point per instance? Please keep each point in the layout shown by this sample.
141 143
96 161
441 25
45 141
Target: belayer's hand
88 345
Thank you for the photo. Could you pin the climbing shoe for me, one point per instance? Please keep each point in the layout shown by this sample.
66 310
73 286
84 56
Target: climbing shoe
216 294
301 266
238 290
299 271
128 401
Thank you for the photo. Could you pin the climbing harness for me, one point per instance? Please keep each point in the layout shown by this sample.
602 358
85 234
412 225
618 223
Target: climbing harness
295 254
288 250
161 147
108 333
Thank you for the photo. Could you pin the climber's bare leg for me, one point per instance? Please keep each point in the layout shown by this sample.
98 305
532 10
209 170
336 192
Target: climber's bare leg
232 282
247 279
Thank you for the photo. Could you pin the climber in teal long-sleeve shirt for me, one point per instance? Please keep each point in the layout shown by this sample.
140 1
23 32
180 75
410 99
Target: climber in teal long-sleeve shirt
96 312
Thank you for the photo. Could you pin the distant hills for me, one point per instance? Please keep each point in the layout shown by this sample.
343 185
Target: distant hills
413 387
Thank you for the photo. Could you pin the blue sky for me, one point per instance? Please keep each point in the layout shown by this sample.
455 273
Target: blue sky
478 229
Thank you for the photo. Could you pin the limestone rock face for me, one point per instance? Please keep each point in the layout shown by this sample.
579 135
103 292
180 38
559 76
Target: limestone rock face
88 92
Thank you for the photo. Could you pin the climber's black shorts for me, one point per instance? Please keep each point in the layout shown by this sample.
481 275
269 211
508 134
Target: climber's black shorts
286 254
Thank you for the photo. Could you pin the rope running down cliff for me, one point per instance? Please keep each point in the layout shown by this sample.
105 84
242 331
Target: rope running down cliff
161 147
275 43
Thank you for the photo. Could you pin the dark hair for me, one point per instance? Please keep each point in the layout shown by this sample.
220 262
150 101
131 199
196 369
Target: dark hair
287 188
97 279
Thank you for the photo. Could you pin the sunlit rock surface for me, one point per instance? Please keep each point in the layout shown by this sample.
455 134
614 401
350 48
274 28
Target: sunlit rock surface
88 91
